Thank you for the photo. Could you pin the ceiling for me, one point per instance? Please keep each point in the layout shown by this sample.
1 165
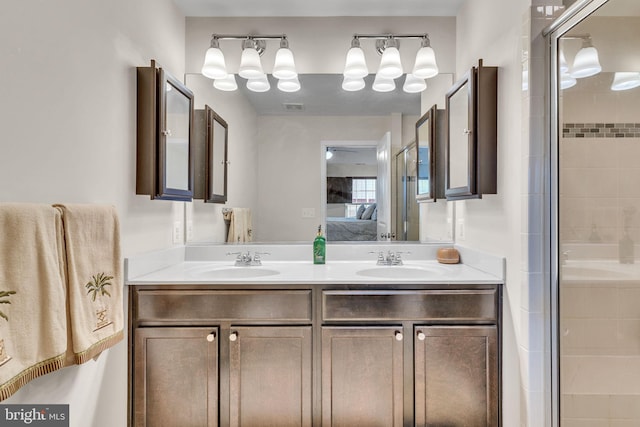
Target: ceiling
319 8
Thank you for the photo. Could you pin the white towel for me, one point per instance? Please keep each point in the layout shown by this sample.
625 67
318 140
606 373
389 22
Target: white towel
33 319
240 226
94 278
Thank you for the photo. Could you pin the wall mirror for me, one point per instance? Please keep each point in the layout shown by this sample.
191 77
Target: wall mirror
425 137
460 153
275 147
164 134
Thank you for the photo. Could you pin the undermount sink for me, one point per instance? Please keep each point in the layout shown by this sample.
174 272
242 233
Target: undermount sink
235 273
401 272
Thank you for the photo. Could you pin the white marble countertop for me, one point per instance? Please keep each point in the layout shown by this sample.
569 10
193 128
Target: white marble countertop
348 264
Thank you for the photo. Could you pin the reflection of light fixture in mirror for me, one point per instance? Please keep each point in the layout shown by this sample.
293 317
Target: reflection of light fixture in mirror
284 66
390 65
566 81
328 154
289 85
259 84
564 66
355 65
214 66
624 80
381 84
413 84
227 84
586 62
352 84
425 66
250 65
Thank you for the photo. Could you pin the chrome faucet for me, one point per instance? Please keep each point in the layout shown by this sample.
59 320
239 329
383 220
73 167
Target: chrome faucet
391 258
245 259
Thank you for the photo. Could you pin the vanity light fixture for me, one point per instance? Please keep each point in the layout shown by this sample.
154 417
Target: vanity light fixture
586 63
390 67
625 80
253 46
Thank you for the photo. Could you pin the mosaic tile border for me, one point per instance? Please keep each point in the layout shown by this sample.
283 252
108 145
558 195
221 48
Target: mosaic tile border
601 130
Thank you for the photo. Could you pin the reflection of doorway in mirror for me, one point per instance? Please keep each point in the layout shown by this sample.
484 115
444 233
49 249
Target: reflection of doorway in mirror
350 180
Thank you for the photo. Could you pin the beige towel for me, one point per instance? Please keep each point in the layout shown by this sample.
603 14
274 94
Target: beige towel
94 278
33 319
240 226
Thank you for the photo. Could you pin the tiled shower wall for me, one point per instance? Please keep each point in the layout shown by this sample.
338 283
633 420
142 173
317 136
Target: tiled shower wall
600 163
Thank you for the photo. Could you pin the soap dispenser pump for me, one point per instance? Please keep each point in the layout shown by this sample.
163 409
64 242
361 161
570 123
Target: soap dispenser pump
319 247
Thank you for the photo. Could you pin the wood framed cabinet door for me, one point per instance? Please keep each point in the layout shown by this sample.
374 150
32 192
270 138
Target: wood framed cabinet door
270 375
362 376
176 377
456 376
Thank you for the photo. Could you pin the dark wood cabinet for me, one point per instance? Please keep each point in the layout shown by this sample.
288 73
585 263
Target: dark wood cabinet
328 355
176 377
456 376
362 376
270 376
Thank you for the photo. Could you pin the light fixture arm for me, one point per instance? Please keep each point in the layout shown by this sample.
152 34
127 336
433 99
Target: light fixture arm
384 41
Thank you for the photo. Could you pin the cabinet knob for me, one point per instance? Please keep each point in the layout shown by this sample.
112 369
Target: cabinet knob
233 336
421 336
211 337
166 132
398 335
466 131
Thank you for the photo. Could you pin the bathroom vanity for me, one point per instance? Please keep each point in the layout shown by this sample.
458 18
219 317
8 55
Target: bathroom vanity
290 343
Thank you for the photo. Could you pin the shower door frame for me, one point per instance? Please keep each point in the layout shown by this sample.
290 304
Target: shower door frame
575 14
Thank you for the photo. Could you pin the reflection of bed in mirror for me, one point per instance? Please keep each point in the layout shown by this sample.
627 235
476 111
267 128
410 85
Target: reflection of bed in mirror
364 226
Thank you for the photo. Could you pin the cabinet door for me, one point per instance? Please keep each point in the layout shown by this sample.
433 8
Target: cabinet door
270 376
176 377
362 376
456 376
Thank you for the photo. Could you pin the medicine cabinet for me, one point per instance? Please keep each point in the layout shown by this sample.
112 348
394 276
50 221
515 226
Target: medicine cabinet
164 135
471 153
210 145
431 160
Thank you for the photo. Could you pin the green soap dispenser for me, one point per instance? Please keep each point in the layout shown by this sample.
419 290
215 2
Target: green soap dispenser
319 247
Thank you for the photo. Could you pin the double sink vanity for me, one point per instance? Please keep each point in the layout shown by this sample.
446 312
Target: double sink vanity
217 337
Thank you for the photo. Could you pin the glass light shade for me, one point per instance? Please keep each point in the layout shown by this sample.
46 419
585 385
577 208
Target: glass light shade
227 84
260 84
284 67
355 66
566 81
390 65
413 84
586 63
623 80
352 84
214 66
382 84
328 155
250 65
564 66
425 66
289 85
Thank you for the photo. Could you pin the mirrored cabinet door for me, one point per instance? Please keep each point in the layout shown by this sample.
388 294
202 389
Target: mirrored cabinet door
211 156
164 134
460 148
425 137
471 135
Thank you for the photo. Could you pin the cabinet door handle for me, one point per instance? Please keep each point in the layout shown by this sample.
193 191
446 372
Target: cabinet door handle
233 336
211 337
398 335
421 336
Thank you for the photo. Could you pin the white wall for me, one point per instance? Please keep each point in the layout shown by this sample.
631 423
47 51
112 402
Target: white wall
492 30
68 120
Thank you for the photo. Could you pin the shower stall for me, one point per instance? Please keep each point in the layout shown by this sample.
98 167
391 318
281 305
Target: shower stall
595 118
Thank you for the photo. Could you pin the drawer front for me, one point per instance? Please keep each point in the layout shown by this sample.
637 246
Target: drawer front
206 305
428 305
